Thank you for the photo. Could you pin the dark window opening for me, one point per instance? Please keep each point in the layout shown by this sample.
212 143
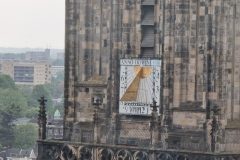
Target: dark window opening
23 73
105 43
87 90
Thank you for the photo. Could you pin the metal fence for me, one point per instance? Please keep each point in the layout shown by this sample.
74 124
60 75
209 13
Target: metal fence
60 150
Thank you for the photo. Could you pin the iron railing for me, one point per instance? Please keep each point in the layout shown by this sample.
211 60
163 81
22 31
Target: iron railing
64 150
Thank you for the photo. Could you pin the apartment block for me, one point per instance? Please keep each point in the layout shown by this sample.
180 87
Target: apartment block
27 73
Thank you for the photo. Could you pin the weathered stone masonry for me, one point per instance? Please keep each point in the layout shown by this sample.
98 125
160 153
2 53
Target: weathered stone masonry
198 42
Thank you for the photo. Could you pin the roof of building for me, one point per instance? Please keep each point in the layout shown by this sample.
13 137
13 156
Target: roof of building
57 115
32 154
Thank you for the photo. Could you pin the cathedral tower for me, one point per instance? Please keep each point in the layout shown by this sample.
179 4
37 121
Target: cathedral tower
162 73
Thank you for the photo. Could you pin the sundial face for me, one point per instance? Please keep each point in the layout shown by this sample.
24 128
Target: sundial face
139 84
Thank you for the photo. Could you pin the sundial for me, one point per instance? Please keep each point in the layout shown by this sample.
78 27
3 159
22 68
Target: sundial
139 84
136 90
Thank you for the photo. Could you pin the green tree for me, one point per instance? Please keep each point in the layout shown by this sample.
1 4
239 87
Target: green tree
10 97
6 82
60 107
13 104
26 90
7 116
31 112
56 86
39 91
25 136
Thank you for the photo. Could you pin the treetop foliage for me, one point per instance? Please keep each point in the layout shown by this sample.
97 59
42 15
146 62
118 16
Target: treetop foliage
6 82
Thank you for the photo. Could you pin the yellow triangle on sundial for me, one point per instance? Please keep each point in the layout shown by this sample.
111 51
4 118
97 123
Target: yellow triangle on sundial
132 91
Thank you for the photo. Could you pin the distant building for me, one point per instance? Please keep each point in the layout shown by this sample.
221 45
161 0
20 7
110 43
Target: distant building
55 126
57 101
18 154
56 69
38 55
30 73
27 56
60 55
12 56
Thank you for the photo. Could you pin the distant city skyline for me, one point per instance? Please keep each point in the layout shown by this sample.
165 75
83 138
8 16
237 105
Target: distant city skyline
32 23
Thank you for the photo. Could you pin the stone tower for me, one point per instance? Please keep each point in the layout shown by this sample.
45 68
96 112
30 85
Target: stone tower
197 42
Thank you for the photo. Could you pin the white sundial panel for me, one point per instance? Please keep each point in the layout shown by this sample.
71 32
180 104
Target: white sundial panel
126 78
139 85
144 93
156 84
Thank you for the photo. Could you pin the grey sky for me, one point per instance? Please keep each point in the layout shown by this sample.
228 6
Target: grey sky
32 23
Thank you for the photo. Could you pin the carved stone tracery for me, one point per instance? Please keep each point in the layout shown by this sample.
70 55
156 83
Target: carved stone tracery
182 157
53 152
140 155
105 154
85 153
68 153
123 155
164 156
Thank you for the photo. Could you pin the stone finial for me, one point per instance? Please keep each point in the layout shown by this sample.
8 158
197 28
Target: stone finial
153 123
42 118
154 105
154 114
96 102
215 128
95 116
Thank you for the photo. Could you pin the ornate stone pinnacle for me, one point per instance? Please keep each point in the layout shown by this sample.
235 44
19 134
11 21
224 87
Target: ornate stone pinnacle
95 116
42 118
154 105
216 110
215 128
42 101
98 102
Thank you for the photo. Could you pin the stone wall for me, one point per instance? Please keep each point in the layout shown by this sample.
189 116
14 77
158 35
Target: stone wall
54 150
197 41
